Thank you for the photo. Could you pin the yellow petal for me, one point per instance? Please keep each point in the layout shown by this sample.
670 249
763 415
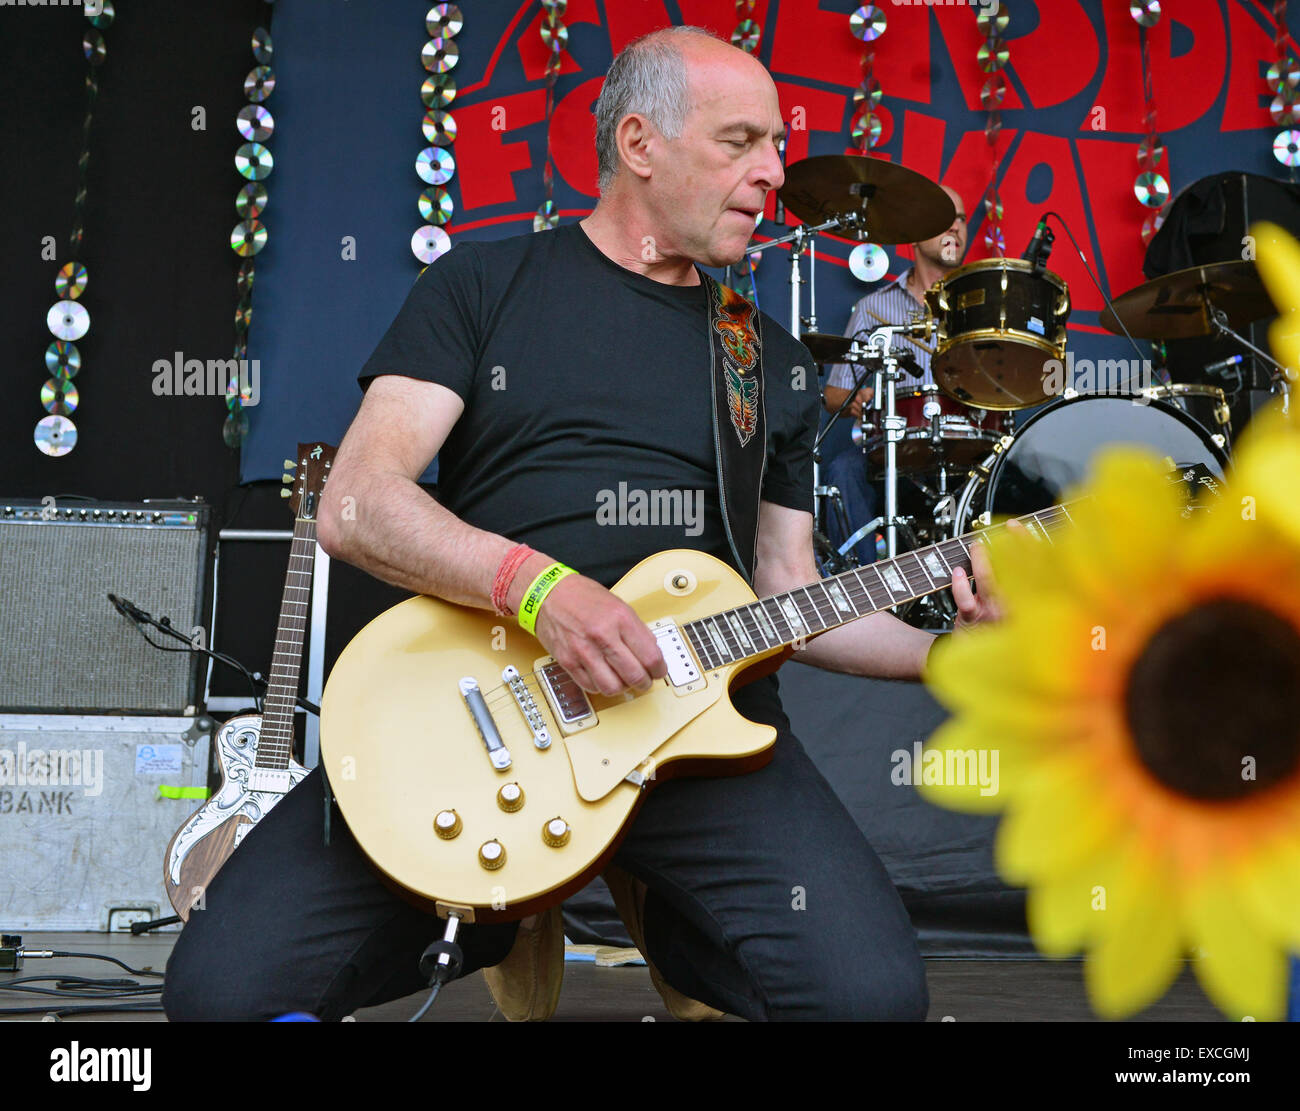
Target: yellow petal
1269 884
1006 661
1262 483
1141 953
1065 908
1058 819
1242 970
961 768
1278 262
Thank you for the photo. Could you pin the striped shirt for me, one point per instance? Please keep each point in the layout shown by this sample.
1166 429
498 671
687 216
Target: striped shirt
895 304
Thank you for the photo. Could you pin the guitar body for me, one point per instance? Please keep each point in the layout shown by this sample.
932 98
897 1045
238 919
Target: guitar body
400 745
207 838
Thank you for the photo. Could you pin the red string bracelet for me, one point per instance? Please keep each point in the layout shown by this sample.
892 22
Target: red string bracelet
510 564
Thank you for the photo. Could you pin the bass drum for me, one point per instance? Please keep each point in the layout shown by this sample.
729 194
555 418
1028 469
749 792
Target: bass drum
1054 449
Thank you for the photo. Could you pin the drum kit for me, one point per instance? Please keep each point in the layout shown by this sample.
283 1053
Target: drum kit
954 455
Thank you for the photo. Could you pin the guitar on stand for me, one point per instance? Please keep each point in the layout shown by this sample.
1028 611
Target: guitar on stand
256 750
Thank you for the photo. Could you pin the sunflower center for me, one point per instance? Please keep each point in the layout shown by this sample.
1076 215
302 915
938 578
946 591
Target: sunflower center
1213 702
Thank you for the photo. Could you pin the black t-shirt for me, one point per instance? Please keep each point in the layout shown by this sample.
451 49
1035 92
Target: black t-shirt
588 423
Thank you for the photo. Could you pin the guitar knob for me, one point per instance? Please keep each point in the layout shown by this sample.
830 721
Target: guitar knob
556 833
491 854
447 824
510 798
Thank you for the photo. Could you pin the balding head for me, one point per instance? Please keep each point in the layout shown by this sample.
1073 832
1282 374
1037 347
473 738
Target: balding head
659 77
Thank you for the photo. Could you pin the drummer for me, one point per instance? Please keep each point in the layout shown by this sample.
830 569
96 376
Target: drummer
895 303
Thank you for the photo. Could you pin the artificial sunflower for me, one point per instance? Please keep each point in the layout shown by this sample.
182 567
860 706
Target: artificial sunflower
1143 696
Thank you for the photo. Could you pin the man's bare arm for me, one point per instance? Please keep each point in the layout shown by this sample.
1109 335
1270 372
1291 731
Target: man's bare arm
375 516
833 397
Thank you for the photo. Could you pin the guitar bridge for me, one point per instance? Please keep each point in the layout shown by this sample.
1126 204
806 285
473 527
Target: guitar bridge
568 701
527 706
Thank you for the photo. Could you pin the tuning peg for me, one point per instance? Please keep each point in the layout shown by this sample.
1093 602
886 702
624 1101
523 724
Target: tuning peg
285 493
289 464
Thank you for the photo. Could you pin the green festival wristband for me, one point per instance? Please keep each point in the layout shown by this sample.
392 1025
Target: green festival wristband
537 592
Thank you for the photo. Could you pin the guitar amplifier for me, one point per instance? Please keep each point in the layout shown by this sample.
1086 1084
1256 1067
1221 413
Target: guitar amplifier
63 646
88 804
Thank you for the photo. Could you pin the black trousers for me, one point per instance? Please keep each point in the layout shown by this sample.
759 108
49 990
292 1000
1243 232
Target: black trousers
765 901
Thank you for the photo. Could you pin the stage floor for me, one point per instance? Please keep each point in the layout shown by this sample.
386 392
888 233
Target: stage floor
964 990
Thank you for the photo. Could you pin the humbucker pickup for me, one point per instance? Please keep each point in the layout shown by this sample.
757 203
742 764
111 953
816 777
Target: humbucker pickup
567 699
682 671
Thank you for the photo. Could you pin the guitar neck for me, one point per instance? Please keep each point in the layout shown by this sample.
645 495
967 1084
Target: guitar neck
750 631
275 740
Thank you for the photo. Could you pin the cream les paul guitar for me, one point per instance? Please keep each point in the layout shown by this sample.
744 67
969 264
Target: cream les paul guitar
480 778
257 768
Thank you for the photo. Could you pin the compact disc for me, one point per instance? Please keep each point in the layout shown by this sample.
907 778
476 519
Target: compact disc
71 280
62 359
59 396
436 205
255 123
248 238
443 20
68 320
868 262
55 435
430 242
435 166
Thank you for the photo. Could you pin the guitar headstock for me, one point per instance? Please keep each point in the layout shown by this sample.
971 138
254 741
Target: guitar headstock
305 479
1198 480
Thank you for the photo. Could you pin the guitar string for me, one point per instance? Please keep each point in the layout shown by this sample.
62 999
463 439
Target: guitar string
1050 518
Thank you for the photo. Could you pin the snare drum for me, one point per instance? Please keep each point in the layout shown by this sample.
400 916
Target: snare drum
939 432
998 321
1054 449
1206 405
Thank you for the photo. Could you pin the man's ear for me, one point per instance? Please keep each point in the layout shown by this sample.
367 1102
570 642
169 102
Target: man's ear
635 139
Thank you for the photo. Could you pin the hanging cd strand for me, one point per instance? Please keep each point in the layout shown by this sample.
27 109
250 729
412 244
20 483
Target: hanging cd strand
1152 185
746 35
555 36
992 58
68 320
1283 77
436 165
254 164
867 261
748 32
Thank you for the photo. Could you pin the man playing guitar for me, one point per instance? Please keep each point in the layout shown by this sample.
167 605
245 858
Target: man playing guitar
544 370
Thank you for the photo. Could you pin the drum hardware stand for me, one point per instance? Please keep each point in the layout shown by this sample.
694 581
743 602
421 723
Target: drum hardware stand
805 233
828 499
895 427
1218 321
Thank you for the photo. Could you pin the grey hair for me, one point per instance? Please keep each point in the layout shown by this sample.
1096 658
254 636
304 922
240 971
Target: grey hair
648 78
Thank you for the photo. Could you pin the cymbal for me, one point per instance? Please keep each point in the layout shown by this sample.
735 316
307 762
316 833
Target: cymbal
826 348
902 206
1173 306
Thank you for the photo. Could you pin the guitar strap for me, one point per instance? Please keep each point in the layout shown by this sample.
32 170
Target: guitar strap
739 416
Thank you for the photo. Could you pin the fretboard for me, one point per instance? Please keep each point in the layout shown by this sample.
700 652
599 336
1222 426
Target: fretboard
275 741
782 619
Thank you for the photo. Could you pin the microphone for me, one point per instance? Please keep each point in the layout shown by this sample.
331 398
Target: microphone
1223 366
1040 246
127 608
